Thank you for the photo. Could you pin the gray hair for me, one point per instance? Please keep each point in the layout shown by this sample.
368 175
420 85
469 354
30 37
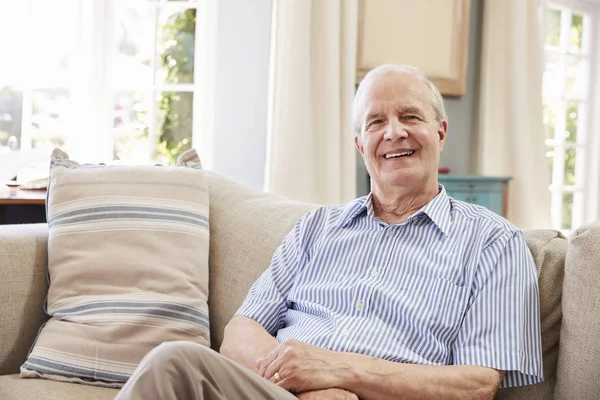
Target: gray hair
437 102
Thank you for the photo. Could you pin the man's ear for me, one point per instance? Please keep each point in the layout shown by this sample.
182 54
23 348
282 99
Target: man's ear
442 132
359 146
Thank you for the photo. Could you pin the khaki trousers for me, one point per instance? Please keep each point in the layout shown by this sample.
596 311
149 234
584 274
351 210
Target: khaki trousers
186 370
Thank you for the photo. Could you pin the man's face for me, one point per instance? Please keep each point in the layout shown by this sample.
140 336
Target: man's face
401 140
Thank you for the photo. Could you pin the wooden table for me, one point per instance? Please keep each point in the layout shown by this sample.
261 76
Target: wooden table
22 206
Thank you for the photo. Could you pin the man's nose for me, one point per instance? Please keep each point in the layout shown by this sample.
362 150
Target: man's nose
395 130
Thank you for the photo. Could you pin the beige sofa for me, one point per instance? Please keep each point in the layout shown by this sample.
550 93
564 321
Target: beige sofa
246 227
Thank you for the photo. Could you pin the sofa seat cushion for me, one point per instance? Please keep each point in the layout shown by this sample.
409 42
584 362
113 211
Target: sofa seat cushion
14 388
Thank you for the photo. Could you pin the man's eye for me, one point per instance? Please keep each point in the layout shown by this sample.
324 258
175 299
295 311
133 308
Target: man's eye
410 117
373 123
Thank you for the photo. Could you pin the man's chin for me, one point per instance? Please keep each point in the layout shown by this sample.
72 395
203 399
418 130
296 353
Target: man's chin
402 178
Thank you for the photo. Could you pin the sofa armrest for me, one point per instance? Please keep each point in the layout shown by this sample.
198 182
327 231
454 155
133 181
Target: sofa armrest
23 288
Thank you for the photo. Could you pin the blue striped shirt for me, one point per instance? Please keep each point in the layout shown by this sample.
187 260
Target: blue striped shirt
454 284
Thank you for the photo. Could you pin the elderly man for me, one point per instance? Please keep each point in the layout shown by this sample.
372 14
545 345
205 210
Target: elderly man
405 293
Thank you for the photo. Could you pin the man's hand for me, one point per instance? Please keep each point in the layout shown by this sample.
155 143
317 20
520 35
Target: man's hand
302 367
328 394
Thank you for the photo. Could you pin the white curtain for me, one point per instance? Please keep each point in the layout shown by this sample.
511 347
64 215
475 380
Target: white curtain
510 129
310 152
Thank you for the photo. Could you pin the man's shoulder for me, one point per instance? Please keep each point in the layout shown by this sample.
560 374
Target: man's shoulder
483 218
334 215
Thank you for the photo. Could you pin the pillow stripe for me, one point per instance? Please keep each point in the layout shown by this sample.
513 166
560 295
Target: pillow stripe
126 217
132 208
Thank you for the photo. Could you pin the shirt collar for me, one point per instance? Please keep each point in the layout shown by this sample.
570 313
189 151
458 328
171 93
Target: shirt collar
438 210
354 209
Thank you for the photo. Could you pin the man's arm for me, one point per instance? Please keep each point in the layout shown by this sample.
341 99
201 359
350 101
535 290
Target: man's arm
246 341
372 378
305 367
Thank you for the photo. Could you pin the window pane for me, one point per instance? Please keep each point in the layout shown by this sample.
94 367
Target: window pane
11 111
550 118
553 76
130 120
174 134
576 78
570 166
133 46
49 118
576 33
51 52
176 37
571 123
553 28
567 211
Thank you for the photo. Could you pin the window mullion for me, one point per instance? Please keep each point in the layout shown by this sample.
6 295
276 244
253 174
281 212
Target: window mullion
104 82
26 119
591 168
153 119
204 81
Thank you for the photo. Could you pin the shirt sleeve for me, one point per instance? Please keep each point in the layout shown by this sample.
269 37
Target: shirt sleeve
266 301
501 327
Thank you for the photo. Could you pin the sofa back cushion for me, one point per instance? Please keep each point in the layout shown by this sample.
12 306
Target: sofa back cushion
246 226
548 249
579 359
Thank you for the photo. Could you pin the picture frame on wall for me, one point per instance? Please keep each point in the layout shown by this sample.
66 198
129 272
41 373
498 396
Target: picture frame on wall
432 35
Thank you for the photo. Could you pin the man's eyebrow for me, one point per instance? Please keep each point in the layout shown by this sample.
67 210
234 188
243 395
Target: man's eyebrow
371 115
410 110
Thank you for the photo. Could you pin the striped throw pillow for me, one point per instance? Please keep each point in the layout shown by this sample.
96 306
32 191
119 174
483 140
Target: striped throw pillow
127 267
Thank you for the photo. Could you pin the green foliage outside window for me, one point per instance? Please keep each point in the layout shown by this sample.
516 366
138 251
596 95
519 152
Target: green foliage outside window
175 109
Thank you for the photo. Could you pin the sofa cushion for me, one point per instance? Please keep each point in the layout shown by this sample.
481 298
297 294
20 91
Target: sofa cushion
128 267
13 388
579 359
246 228
548 248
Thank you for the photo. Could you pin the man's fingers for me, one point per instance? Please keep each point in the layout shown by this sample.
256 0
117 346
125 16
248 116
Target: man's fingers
262 367
266 362
286 383
273 368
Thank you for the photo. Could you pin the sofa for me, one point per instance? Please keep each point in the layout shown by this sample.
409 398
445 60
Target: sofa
246 226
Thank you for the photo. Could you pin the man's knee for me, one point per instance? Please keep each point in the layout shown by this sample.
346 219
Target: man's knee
169 353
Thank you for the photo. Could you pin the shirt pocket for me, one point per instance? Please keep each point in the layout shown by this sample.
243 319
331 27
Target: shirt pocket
425 315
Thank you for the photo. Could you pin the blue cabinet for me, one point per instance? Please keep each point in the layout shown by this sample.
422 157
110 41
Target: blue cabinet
490 192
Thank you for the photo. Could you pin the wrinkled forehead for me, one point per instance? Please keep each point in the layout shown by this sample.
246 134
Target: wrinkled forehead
395 91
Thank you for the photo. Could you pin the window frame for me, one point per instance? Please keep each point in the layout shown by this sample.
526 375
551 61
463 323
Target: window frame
586 191
92 87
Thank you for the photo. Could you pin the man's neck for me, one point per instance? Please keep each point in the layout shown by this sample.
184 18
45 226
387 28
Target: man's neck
395 207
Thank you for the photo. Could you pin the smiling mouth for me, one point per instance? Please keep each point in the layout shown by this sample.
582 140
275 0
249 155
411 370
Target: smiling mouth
399 155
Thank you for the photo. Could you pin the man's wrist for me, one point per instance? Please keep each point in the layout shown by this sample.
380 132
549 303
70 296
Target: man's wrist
347 371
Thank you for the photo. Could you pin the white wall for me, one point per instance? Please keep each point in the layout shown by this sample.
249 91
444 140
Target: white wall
240 127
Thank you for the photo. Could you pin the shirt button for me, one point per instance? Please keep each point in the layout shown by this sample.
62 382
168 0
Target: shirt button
359 305
345 332
389 232
374 273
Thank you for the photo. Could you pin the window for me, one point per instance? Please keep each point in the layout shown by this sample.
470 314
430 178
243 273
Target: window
123 80
567 103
